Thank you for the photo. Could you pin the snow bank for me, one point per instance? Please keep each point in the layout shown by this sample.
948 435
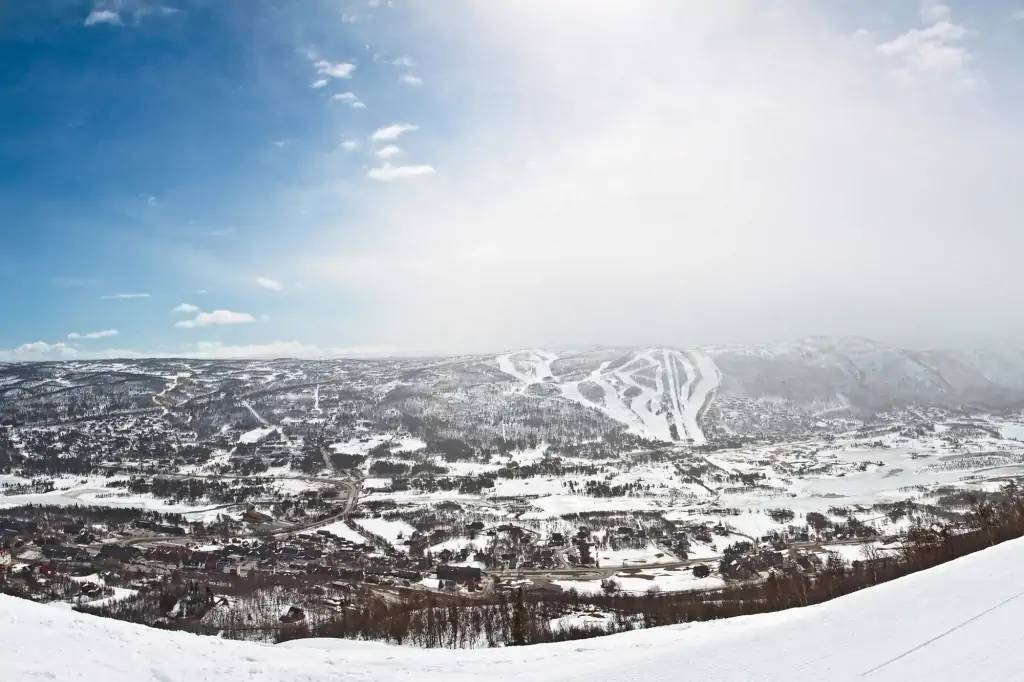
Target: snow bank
958 621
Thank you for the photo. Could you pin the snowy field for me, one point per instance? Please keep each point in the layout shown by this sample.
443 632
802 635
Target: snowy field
91 491
941 624
396 532
340 529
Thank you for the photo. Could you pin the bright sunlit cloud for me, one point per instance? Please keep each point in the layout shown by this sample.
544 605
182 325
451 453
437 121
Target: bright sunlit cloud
569 173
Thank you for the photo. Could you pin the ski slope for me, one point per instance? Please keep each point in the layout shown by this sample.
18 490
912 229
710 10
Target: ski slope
955 622
530 367
657 393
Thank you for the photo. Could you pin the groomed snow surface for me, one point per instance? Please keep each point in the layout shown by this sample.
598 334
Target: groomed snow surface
958 621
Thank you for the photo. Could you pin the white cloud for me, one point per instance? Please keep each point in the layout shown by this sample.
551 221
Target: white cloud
103 16
937 50
123 297
38 351
405 61
392 132
691 203
350 145
389 173
410 79
348 98
318 83
103 334
186 308
269 283
114 12
216 317
389 152
328 69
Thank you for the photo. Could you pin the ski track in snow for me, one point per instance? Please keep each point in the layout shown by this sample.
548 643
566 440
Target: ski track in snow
690 379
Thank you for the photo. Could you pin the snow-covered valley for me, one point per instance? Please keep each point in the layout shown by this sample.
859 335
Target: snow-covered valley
268 500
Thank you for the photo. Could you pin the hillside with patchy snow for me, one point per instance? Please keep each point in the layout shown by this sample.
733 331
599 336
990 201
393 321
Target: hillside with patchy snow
958 621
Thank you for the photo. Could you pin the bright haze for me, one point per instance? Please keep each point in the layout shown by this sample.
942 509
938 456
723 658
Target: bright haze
190 177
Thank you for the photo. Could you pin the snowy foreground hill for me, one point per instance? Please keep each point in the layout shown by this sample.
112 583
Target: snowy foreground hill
958 621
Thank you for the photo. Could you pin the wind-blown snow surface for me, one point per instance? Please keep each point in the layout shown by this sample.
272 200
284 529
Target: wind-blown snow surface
649 391
958 621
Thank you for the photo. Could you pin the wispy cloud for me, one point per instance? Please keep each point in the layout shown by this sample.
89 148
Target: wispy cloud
273 349
411 79
389 173
103 334
350 145
117 12
123 297
269 283
185 308
103 16
388 152
288 349
349 98
327 69
392 132
936 50
215 317
932 11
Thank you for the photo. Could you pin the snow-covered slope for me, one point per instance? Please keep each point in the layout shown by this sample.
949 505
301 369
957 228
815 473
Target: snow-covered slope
658 393
958 621
694 395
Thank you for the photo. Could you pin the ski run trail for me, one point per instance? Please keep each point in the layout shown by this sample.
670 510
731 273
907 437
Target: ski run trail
656 393
957 621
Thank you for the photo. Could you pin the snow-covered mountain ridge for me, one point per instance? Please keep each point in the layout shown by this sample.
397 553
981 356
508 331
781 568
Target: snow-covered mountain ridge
693 395
959 620
658 392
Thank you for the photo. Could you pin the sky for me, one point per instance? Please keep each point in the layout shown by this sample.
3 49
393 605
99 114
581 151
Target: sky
325 178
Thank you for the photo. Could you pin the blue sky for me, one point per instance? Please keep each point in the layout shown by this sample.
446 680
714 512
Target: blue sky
192 177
